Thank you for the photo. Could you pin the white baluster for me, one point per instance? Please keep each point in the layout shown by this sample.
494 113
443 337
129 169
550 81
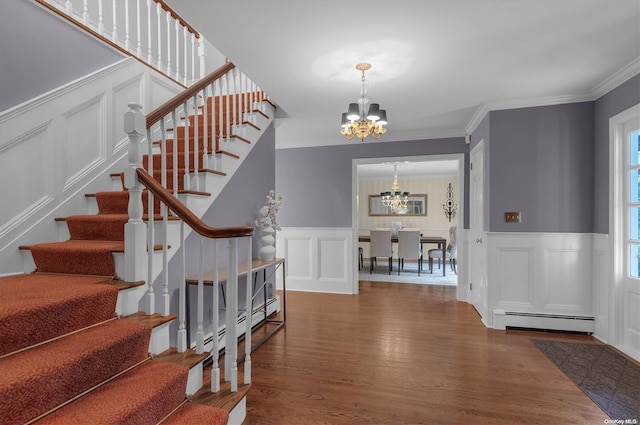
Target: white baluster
196 141
231 326
186 179
138 30
205 128
169 43
182 308
202 54
244 88
233 101
186 60
85 12
69 7
177 26
215 349
127 25
228 107
165 299
193 59
151 299
200 301
149 54
219 121
100 19
135 228
114 33
249 315
159 23
175 152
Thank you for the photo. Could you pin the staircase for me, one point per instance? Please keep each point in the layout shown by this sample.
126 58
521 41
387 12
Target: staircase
75 348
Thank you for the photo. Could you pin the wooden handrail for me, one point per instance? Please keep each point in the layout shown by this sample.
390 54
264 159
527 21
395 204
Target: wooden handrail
170 105
187 216
177 17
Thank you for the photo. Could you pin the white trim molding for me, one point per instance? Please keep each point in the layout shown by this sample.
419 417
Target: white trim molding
317 259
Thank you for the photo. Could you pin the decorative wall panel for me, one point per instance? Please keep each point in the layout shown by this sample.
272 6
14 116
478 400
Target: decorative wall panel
25 186
84 144
318 259
540 273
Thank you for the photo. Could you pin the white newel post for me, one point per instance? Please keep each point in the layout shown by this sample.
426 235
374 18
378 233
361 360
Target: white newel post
135 230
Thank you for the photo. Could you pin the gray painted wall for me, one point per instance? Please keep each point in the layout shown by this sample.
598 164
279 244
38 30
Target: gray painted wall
621 98
316 181
237 205
542 165
41 52
551 163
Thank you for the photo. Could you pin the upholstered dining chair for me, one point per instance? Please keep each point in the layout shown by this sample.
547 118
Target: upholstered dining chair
409 247
380 246
450 254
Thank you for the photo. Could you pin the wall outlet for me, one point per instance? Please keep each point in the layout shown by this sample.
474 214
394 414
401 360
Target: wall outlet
512 217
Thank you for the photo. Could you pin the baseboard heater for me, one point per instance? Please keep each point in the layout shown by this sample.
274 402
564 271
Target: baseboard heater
504 319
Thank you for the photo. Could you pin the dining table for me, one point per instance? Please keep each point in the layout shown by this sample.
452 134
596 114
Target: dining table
438 240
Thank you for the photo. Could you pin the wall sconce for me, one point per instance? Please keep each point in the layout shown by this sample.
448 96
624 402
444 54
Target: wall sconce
449 207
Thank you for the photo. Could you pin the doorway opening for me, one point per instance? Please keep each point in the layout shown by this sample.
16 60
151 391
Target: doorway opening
425 177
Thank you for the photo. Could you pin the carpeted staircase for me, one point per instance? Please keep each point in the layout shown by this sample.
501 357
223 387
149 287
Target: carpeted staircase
65 356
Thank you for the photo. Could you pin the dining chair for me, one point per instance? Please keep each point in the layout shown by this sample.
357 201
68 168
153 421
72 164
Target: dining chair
380 246
409 247
450 254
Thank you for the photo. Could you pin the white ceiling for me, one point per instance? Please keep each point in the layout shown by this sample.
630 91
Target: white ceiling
437 65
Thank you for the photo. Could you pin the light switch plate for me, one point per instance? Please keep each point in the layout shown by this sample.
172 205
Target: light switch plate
512 217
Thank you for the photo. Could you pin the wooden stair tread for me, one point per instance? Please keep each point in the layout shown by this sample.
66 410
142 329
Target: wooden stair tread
227 153
197 192
223 399
155 319
189 358
123 284
216 172
235 136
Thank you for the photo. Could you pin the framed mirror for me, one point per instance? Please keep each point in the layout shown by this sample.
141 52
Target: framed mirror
417 205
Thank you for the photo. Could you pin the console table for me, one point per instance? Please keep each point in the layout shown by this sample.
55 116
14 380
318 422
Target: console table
257 266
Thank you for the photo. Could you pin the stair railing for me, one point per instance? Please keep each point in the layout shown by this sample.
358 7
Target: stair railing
149 30
208 116
136 178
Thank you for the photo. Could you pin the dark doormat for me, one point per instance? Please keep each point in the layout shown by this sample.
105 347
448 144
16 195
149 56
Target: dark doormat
611 380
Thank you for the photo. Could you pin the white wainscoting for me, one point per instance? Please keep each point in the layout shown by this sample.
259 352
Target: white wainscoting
63 144
317 259
546 279
601 286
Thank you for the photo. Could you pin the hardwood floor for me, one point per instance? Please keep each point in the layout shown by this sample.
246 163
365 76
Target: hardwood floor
406 354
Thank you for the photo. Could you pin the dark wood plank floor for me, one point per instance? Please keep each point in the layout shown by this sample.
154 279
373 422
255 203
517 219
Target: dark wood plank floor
406 354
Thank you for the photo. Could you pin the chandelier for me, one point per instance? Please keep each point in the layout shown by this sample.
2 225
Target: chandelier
395 200
360 122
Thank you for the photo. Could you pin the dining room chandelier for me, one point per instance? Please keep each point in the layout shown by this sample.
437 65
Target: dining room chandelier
360 121
395 200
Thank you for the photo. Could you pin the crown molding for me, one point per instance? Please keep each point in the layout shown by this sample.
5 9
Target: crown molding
621 76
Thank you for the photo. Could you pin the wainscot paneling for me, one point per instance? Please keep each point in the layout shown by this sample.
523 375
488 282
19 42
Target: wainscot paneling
540 280
317 259
63 144
601 286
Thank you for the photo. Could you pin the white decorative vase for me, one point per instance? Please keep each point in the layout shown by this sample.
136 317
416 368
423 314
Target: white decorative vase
267 249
